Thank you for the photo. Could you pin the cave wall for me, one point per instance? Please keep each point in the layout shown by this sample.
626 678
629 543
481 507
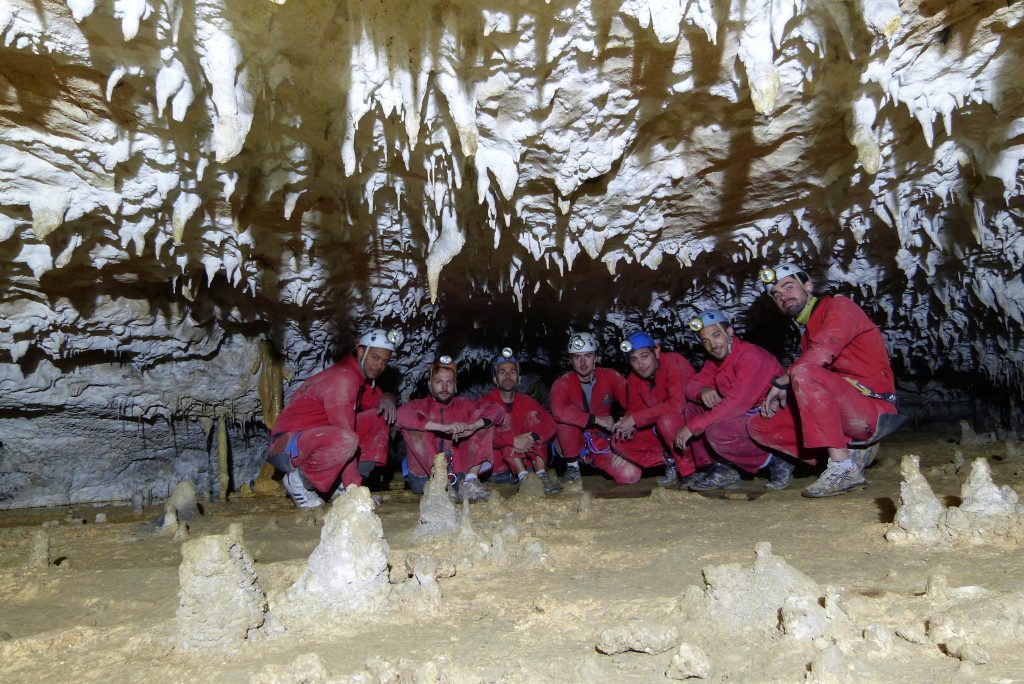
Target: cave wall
181 180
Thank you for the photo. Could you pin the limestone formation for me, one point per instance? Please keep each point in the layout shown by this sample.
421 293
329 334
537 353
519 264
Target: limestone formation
348 570
919 512
438 514
39 550
638 636
196 192
750 599
220 601
988 513
689 662
530 487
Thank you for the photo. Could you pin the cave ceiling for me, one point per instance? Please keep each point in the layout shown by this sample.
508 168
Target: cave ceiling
180 179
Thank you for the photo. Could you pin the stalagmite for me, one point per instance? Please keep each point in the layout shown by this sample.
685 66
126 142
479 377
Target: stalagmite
919 511
224 474
438 514
348 570
221 603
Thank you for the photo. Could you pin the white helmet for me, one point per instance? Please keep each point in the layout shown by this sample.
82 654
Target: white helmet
381 339
770 276
581 343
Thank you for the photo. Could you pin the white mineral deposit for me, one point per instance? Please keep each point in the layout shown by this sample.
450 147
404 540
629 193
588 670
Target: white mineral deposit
205 203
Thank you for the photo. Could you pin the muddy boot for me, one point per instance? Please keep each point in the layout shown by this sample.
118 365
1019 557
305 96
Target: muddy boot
838 478
551 485
721 476
571 474
695 476
670 477
780 473
473 490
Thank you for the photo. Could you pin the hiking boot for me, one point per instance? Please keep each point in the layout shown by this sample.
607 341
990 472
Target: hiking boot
670 477
571 474
297 492
473 490
837 479
864 457
551 485
504 477
721 476
695 476
780 473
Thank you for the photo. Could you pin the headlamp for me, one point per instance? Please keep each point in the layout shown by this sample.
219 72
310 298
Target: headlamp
580 343
706 318
770 276
381 339
507 352
637 340
445 360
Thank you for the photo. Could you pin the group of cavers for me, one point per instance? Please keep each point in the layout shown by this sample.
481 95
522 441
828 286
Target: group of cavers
741 413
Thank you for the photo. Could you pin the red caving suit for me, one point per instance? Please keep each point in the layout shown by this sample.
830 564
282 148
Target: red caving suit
524 415
743 379
839 342
421 446
647 401
575 418
334 413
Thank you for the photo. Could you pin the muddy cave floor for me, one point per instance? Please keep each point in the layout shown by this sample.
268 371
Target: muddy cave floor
105 611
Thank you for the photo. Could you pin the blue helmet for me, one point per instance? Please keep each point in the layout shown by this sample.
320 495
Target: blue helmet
506 356
770 276
637 340
706 318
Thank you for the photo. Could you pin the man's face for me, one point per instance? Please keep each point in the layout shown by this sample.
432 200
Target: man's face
583 363
791 295
442 385
506 376
715 339
644 362
373 361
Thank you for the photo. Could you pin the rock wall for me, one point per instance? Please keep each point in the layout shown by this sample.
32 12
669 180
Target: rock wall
183 180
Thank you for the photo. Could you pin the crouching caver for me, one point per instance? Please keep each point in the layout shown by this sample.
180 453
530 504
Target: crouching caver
654 389
521 439
443 423
581 404
336 423
834 392
711 436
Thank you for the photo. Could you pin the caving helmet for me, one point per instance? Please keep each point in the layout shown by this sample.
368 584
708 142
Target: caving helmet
506 356
769 276
581 343
709 317
637 340
381 339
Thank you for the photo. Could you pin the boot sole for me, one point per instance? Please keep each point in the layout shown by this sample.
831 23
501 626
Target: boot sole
837 492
